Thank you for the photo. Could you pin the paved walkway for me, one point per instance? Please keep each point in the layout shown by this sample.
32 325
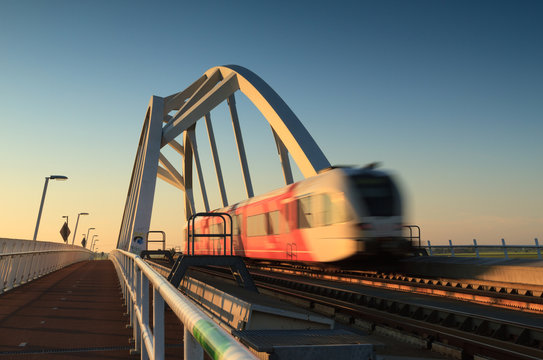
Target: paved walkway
76 312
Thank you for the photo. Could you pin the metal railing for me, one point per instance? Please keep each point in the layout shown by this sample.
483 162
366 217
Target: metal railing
503 250
200 332
22 261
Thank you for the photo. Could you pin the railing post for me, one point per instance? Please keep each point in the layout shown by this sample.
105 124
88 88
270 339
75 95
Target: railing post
452 248
538 249
504 249
476 248
136 306
144 308
192 349
429 248
158 325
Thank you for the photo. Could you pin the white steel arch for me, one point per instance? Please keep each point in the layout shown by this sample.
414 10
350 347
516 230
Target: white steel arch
217 85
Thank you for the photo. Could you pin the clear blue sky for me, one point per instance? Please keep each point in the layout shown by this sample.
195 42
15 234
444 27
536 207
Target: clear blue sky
446 94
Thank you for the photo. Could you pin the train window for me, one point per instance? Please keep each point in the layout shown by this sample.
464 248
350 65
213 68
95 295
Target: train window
339 212
256 225
273 222
377 194
305 216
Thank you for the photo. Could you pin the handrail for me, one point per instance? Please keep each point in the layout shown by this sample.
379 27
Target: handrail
44 252
191 230
22 261
135 276
503 247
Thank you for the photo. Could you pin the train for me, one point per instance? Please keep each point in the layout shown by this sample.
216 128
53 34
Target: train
343 215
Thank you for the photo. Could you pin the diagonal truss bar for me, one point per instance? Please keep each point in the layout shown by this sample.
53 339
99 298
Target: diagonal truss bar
283 156
177 147
163 174
220 93
192 138
176 101
241 147
174 174
216 161
205 88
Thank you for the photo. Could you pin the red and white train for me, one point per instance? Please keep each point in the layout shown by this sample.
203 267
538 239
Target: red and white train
341 215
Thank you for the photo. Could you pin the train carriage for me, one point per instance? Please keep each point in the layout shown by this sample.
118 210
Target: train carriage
338 216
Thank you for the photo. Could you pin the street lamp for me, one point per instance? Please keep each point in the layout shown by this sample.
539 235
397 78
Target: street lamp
95 243
52 177
92 241
88 231
76 223
66 217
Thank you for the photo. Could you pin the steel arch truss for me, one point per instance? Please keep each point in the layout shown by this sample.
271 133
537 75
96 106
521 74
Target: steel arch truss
217 85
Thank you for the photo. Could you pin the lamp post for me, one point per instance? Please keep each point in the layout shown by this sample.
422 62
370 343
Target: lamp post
92 241
76 223
88 231
66 217
95 243
52 177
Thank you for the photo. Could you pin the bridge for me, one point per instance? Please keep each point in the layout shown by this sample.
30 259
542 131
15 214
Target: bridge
61 301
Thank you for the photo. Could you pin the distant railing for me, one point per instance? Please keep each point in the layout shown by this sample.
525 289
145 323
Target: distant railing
136 276
476 250
22 261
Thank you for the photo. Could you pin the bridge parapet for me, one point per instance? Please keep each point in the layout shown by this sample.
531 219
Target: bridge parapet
22 261
136 278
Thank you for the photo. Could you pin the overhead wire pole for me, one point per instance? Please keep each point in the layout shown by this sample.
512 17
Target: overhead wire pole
192 137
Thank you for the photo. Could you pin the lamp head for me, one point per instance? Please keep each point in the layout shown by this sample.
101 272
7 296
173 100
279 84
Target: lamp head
58 177
83 214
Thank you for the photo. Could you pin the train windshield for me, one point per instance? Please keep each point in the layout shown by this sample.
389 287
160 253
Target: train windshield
378 194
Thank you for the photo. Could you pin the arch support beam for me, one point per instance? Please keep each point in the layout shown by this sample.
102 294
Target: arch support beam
141 192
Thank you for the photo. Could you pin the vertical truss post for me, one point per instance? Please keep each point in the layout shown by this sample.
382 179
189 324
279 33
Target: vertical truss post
283 156
187 176
216 161
241 147
192 137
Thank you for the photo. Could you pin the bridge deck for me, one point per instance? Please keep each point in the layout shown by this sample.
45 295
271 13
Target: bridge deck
76 312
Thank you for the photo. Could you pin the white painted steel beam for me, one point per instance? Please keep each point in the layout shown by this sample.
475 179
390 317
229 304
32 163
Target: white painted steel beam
142 190
299 143
192 138
177 147
219 93
216 162
164 175
283 156
187 176
241 148
176 101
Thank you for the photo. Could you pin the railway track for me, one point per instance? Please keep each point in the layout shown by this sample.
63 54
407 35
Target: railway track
462 334
527 298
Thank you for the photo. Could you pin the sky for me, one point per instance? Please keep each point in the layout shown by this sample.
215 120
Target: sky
446 95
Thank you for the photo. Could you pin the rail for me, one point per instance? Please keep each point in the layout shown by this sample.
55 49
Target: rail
503 250
200 332
22 261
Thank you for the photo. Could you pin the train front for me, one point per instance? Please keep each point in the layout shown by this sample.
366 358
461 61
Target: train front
377 205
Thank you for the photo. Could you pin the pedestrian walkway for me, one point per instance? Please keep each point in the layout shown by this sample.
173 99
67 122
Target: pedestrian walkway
74 313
